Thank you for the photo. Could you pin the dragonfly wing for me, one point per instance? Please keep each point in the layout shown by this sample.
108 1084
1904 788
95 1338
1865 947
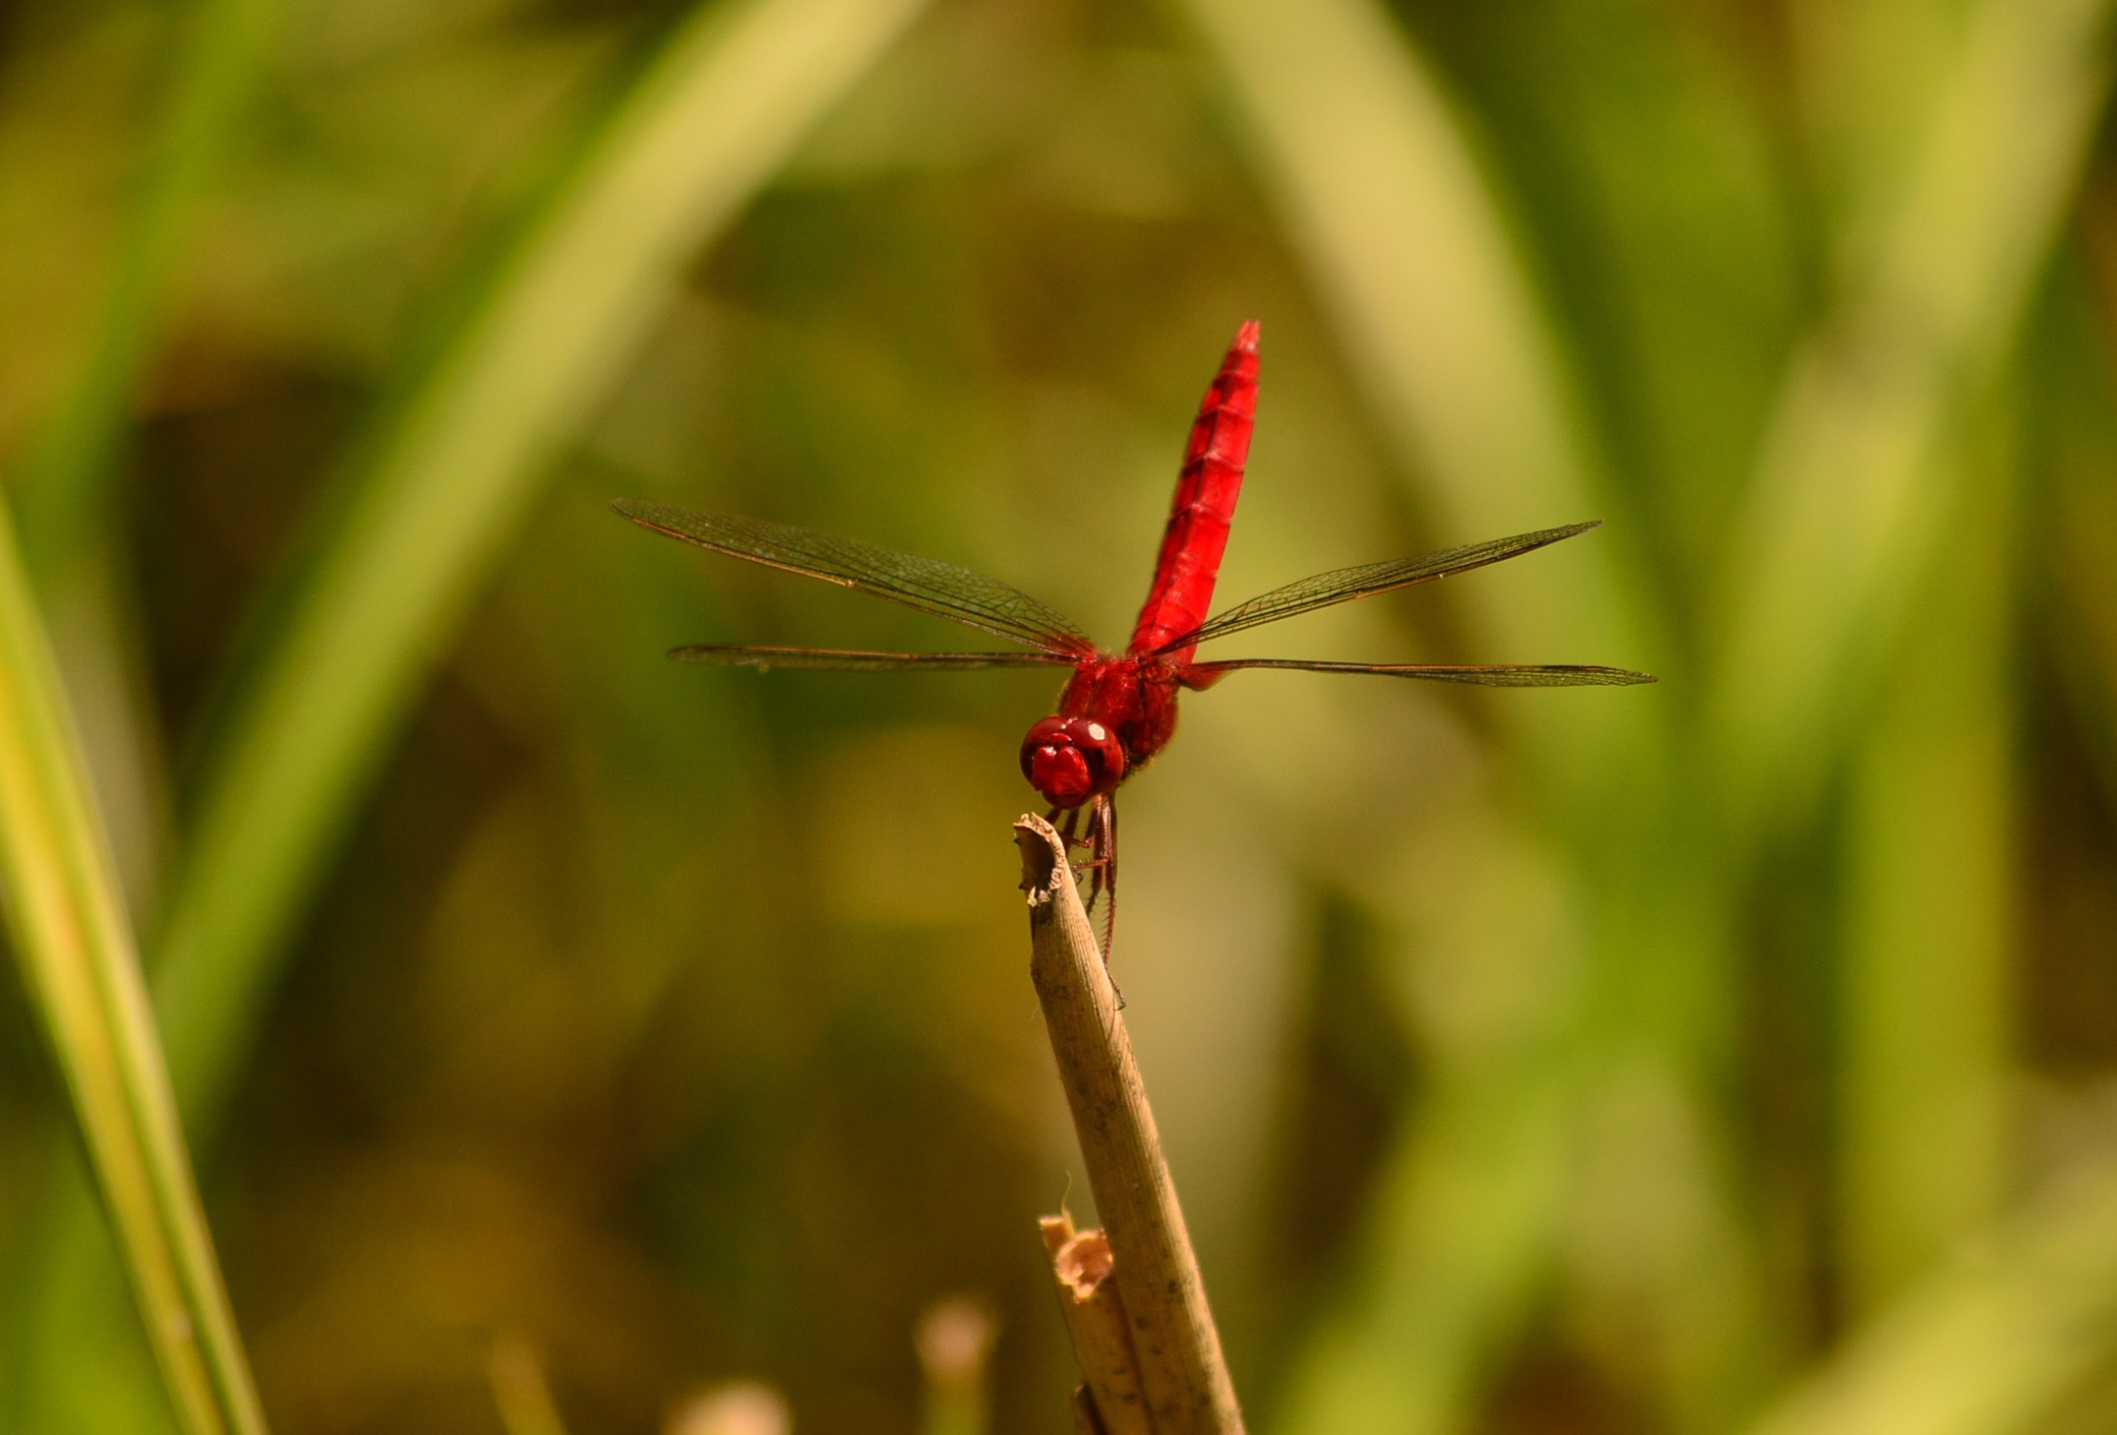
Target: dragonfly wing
927 584
1345 584
847 660
1539 675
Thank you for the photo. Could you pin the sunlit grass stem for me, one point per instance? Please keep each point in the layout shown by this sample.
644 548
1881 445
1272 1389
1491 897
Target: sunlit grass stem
73 941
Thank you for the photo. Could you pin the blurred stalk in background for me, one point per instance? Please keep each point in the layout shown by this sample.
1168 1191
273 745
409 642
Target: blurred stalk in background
1734 1051
1945 242
438 484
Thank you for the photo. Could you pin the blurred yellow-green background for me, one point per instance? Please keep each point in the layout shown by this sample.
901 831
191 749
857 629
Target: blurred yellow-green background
563 1034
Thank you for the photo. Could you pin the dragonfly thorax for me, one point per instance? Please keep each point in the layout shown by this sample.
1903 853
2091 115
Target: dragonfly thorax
1114 715
1133 697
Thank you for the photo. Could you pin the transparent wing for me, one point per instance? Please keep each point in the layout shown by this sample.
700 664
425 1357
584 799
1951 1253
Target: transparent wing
848 660
1342 585
1543 675
927 584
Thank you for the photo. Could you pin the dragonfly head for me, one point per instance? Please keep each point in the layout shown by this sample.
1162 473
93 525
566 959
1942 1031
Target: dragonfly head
1070 760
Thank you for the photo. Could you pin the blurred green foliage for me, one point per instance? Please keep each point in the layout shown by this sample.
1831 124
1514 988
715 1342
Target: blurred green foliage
1734 1054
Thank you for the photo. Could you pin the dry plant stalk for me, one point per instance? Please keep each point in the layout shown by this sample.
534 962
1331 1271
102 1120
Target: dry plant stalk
1175 1346
1095 1321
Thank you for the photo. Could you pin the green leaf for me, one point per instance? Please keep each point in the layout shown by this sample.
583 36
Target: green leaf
1853 492
1378 181
429 500
1986 1345
446 475
1928 1021
1382 189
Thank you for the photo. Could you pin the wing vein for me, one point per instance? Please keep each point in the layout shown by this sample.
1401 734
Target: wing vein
854 660
1343 585
927 584
1502 675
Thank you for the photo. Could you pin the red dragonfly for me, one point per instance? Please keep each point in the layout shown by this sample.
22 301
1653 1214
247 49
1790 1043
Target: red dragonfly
1118 709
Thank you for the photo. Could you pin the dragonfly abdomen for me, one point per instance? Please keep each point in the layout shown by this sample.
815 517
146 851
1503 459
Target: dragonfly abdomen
1206 492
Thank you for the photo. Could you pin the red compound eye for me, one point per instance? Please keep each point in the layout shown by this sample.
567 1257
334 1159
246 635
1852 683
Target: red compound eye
1069 760
1061 774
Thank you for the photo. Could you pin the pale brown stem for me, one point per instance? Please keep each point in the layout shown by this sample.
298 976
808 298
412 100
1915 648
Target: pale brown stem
1094 1311
1177 1349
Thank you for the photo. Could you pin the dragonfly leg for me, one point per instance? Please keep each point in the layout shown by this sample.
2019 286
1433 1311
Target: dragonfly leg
1099 867
1106 877
1068 822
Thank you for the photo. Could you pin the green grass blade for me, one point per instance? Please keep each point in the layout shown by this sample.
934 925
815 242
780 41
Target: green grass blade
1461 1249
74 943
1850 499
62 486
1986 1346
66 478
1379 185
446 476
1376 189
433 494
1856 497
1927 1018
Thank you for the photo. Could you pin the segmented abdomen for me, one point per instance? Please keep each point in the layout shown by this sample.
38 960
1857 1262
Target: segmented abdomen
1206 491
